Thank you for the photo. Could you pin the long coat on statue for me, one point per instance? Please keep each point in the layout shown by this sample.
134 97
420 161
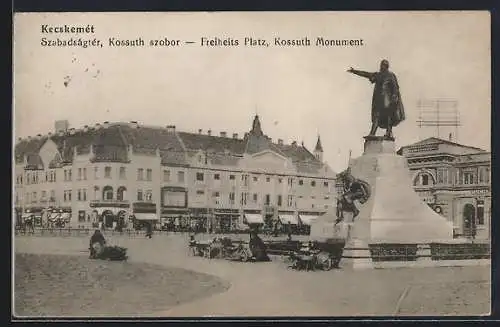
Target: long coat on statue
386 100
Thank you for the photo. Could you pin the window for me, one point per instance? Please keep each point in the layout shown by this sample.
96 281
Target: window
79 195
65 196
44 195
139 195
79 178
232 177
81 216
255 197
313 197
425 179
301 182
231 198
216 195
180 176
268 199
46 176
484 174
84 193
107 172
140 174
217 177
199 177
244 178
327 197
290 201
52 195
313 183
244 198
69 195
480 212
268 179
123 173
290 182
280 180
33 197
255 179
149 195
468 178
149 174
200 192
65 175
442 176
84 174
166 175
280 199
70 177
325 184
96 173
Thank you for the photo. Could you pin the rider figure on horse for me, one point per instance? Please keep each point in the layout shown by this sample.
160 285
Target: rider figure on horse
354 189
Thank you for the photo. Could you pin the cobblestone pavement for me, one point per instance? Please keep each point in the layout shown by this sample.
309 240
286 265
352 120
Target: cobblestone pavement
270 289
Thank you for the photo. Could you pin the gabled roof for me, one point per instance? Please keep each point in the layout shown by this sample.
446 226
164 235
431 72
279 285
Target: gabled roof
112 143
436 140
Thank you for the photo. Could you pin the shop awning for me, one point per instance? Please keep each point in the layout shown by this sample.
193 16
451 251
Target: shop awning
146 216
252 218
285 219
307 219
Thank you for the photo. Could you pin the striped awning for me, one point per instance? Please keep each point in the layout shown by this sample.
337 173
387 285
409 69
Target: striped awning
146 216
252 218
285 219
307 219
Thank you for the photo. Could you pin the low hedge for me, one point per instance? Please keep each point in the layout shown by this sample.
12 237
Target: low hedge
465 251
393 252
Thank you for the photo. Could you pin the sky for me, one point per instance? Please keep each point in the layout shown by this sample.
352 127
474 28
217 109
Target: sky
298 92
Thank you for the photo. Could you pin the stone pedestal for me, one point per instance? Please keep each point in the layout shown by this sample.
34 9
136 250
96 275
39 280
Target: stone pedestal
394 213
356 255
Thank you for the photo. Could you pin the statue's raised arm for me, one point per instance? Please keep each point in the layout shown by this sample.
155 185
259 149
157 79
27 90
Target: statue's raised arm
361 73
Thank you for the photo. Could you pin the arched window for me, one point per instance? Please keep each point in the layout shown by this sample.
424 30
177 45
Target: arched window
107 193
121 193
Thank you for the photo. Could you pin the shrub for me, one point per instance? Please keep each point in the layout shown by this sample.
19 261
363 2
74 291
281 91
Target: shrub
443 251
393 252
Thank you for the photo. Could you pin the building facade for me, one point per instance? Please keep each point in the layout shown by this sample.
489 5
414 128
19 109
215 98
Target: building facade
455 181
113 170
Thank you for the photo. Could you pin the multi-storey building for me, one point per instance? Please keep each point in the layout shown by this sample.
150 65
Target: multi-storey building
116 170
454 180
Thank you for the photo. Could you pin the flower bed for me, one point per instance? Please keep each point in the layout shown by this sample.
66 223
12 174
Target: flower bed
393 252
466 251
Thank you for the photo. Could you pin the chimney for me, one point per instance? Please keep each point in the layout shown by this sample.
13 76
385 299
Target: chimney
61 126
280 141
72 131
235 135
199 131
86 128
133 124
171 129
223 134
209 133
105 124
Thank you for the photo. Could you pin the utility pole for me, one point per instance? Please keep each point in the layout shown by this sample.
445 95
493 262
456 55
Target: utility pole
438 113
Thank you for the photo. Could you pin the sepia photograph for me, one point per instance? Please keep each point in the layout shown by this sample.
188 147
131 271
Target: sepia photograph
251 164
